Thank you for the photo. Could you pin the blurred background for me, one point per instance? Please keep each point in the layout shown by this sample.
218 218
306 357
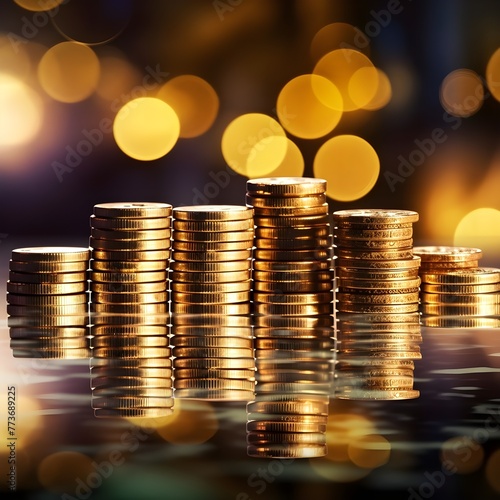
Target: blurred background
395 102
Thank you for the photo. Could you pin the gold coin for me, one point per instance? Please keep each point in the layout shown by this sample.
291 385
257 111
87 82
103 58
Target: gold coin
213 331
129 341
128 266
131 255
128 288
48 321
291 221
48 267
132 330
211 320
294 298
303 407
136 308
198 373
295 450
371 319
130 224
447 254
132 352
383 245
209 278
198 341
293 233
368 275
293 344
213 226
129 245
383 286
460 322
457 299
102 375
293 265
455 289
213 394
285 276
345 225
51 309
361 298
51 254
349 233
399 264
447 267
132 402
365 362
149 412
214 237
50 343
286 186
379 328
292 286
294 322
376 394
122 278
353 256
307 244
313 200
212 352
209 288
46 288
52 353
133 209
356 307
211 267
211 246
134 235
129 362
213 213
226 309
293 309
130 319
287 417
272 426
290 212
477 276
224 256
132 392
47 300
288 255
294 333
48 332
214 383
15 277
375 216
211 298
285 438
206 363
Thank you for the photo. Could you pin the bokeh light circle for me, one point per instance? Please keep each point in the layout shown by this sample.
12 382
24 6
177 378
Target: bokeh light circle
357 84
462 93
493 74
21 113
309 106
349 164
195 102
455 449
491 470
146 128
339 66
37 5
254 145
118 76
480 228
292 164
370 451
69 72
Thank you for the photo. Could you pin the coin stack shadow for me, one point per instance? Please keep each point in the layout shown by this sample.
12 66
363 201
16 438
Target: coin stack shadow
293 305
212 335
131 366
379 331
455 291
48 302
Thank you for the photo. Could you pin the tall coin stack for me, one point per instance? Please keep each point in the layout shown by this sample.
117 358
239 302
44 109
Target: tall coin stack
48 302
293 306
131 366
454 290
378 299
212 337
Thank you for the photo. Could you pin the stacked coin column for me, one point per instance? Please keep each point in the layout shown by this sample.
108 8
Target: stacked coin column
378 292
48 302
293 306
212 338
131 366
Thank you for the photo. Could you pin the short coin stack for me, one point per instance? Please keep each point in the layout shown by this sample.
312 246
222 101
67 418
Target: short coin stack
131 366
211 286
443 259
292 267
378 293
48 302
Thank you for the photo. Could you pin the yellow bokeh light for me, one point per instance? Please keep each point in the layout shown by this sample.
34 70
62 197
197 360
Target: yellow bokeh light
146 128
339 66
117 78
28 420
462 454
39 5
462 93
69 72
58 472
309 106
195 102
480 228
369 451
337 36
292 164
254 145
493 74
21 115
358 83
14 58
349 164
193 422
491 470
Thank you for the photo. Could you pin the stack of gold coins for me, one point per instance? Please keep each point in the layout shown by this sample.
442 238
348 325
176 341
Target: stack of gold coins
288 417
442 259
48 302
292 267
213 347
131 362
378 299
